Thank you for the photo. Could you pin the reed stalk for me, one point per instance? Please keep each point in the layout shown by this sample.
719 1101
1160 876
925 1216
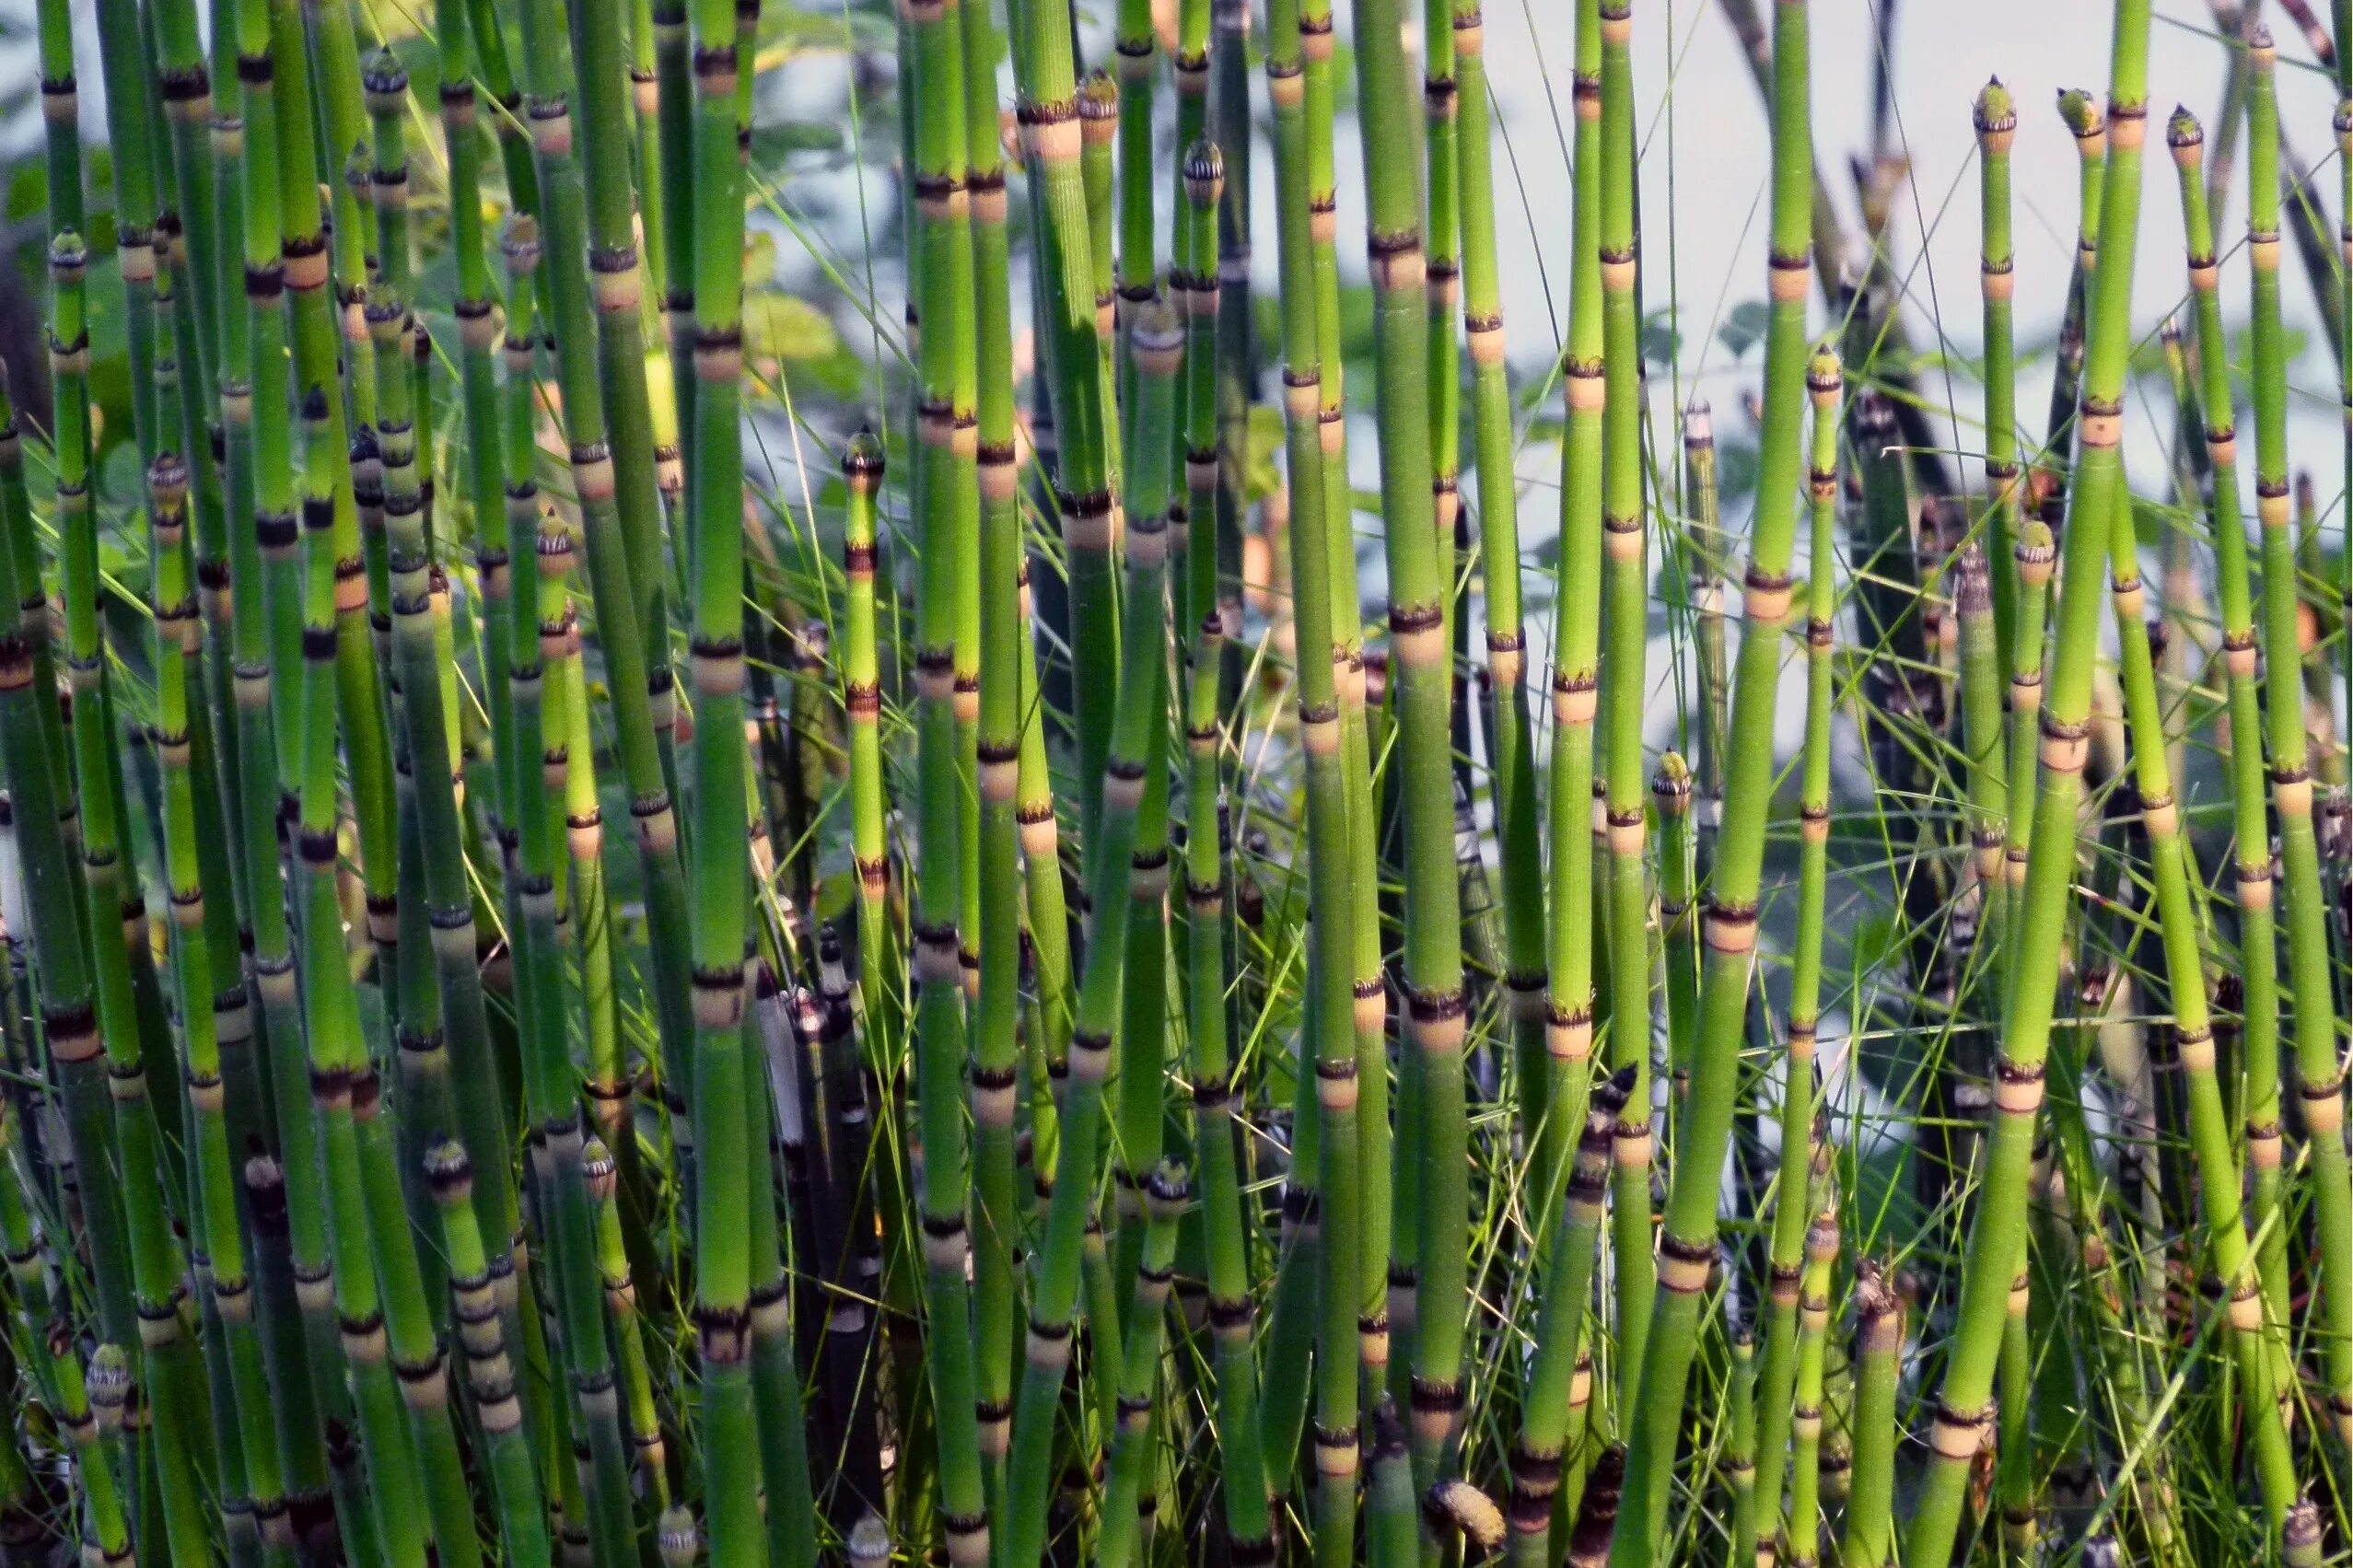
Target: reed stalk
1568 1034
1513 786
1047 1355
2258 1093
1687 1246
1994 1243
1434 1145
2319 1069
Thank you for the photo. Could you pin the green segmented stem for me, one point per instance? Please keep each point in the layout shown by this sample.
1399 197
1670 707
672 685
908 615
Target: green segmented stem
490 1368
1435 1142
337 1054
591 267
1305 1259
1166 1192
540 928
1869 1538
2258 934
881 981
602 1172
484 1124
1005 663
1216 1097
1546 1420
1806 1414
1047 1355
1513 789
945 481
1626 634
1802 1146
1995 1237
1996 121
2319 1067
1046 108
2226 1239
1729 926
1575 684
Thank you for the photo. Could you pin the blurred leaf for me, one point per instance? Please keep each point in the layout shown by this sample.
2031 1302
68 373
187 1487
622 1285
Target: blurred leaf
1261 474
1735 471
779 326
1661 342
771 143
28 190
1743 328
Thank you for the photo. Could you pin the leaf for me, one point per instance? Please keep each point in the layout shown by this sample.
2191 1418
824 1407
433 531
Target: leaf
781 326
1744 327
1661 342
28 190
772 144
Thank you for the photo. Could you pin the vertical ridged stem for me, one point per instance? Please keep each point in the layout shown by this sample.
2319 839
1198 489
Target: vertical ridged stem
2320 1072
1800 1144
337 1052
1577 649
2258 957
1995 1238
947 429
1806 1413
732 1448
1513 791
1625 636
2218 1184
1296 1323
1164 1196
1003 660
1729 926
1047 1355
1434 1144
491 1375
1046 106
1546 1405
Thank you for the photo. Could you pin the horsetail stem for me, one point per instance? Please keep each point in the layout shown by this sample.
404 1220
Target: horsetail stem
1687 1245
1994 1243
2319 1067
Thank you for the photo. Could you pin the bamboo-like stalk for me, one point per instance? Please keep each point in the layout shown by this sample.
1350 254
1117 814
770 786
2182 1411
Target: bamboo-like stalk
490 1368
536 640
1568 1035
332 1021
2084 119
1740 1456
1001 666
728 1205
2226 1238
1869 1538
1320 1235
1800 1143
1046 105
2318 1068
1037 1406
1994 1243
1513 789
1216 1100
1995 119
1625 636
1539 1456
2259 964
1687 1246
1799 1538
1435 1142
1165 1195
